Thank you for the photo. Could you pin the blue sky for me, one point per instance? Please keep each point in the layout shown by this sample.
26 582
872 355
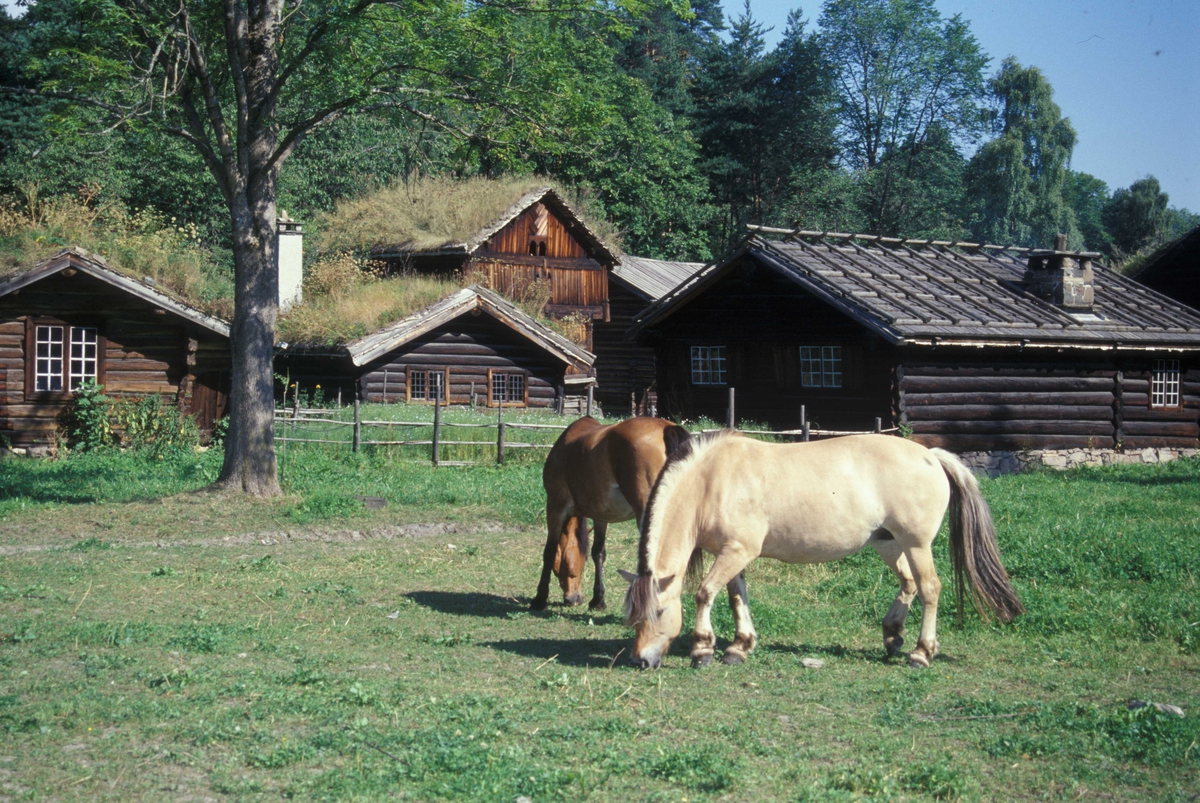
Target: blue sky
1126 72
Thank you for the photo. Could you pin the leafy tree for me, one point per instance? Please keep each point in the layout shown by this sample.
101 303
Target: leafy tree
1136 217
1015 183
244 82
665 52
1087 197
902 73
915 190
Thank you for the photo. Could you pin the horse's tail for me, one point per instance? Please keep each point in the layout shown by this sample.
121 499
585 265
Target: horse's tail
973 550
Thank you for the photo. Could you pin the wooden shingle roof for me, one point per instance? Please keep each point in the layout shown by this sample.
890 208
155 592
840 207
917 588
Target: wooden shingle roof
467 300
96 266
654 278
933 294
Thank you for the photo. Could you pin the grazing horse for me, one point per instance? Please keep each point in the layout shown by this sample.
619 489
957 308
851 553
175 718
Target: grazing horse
739 499
603 473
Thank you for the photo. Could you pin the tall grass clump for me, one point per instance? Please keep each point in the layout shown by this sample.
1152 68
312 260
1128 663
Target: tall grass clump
139 242
344 299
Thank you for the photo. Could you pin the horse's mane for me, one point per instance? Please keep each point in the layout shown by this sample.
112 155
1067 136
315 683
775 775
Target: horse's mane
641 601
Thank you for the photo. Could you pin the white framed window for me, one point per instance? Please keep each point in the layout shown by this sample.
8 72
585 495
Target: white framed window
85 355
708 365
426 385
821 366
507 388
48 371
1164 384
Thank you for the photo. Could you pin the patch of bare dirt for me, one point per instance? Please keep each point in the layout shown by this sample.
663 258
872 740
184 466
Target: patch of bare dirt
389 532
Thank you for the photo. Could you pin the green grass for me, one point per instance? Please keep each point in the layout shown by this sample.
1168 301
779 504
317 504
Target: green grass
144 657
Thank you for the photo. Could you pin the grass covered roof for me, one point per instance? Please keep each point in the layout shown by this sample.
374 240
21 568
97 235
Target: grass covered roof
442 213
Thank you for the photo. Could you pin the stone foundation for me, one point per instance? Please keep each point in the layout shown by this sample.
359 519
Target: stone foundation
994 464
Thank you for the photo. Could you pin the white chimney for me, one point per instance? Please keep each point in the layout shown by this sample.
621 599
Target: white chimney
290 256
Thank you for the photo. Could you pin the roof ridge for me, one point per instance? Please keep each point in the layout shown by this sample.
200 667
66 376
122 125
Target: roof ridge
911 242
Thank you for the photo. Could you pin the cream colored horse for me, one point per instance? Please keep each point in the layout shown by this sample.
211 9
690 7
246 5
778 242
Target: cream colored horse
739 499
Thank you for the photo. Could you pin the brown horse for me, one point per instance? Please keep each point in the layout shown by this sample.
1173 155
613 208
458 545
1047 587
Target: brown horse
603 473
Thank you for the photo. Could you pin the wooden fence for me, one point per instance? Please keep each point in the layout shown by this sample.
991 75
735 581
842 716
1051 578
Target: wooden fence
289 420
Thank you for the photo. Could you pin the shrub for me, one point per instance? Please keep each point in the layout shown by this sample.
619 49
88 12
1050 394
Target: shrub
148 423
89 425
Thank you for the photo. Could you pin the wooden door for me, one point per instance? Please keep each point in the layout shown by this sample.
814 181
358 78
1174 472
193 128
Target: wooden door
210 398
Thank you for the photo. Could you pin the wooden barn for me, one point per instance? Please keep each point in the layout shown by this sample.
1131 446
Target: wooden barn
1175 269
472 346
972 348
537 238
74 317
625 370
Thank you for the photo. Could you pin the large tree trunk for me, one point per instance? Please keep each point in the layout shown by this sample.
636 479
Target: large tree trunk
250 445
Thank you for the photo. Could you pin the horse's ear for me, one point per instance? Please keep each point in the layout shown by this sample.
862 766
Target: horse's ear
629 576
665 581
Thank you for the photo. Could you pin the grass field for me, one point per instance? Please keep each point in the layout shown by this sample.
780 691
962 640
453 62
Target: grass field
162 644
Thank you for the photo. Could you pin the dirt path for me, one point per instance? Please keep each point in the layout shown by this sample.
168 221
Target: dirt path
388 532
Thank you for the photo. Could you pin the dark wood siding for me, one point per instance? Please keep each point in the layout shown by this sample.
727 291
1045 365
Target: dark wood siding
146 350
1143 426
762 321
622 367
570 286
467 347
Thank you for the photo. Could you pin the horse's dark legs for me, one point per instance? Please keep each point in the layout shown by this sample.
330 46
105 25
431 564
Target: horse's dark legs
745 638
893 621
556 517
599 535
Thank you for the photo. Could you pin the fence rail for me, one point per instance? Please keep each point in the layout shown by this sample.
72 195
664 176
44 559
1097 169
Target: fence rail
289 420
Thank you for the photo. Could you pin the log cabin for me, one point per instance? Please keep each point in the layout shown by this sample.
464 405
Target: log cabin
525 235
75 317
625 370
472 347
963 346
1174 270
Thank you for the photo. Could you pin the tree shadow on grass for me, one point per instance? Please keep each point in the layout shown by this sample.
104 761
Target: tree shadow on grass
468 603
569 652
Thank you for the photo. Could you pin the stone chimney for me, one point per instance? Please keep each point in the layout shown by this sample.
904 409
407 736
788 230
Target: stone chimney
290 256
1061 277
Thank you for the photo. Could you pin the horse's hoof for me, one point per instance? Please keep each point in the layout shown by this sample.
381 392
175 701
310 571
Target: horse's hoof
918 660
595 605
701 660
893 644
732 659
537 605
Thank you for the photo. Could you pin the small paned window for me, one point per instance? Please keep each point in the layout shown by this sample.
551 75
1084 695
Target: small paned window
821 366
1164 384
426 385
49 371
708 365
84 355
507 388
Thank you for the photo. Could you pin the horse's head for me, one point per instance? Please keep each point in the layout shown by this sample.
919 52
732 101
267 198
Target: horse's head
656 620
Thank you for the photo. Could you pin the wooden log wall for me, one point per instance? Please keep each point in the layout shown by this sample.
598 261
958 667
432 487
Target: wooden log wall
762 320
622 366
973 404
468 347
146 350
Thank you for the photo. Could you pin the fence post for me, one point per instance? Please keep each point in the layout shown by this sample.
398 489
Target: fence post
296 402
499 433
805 432
591 389
562 400
437 426
385 379
357 424
878 425
803 416
731 414
474 402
